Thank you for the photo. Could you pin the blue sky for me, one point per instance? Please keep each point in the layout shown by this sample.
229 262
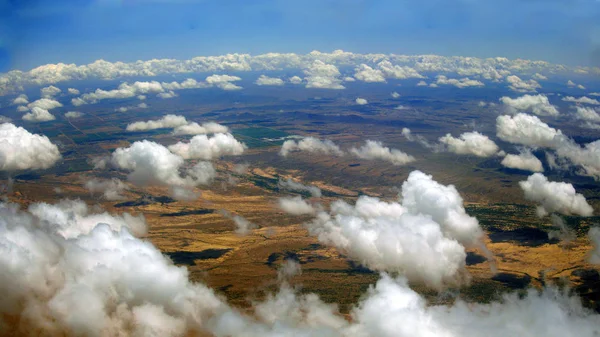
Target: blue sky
39 32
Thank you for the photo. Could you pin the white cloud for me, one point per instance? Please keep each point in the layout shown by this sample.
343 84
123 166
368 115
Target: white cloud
374 150
527 130
22 108
320 75
242 225
296 206
223 82
554 196
73 114
581 100
50 91
166 95
525 160
361 101
587 114
22 150
207 148
367 74
397 72
20 100
44 103
111 189
422 84
473 143
295 80
571 83
299 187
459 83
167 121
517 84
421 237
73 91
266 80
310 144
38 115
395 95
194 128
537 104
539 77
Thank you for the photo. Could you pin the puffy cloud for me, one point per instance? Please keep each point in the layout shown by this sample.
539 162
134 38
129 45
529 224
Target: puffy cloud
459 83
517 84
554 196
539 77
266 80
367 74
523 161
194 128
44 103
298 187
50 91
167 95
586 156
167 121
527 130
73 114
203 172
421 237
125 90
73 91
537 104
320 75
361 101
22 150
242 225
421 140
581 100
395 95
373 150
422 84
21 100
295 80
204 147
4 119
38 115
587 114
223 82
473 143
111 189
296 206
397 72
310 144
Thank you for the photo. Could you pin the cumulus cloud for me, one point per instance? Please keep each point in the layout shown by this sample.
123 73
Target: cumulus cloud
525 160
518 85
581 100
21 100
472 143
73 91
367 74
361 101
320 75
395 94
44 103
537 104
242 225
22 150
167 121
539 77
111 189
310 144
374 150
125 90
459 83
554 196
296 206
295 80
74 114
527 130
207 148
421 237
223 82
411 137
266 80
422 84
151 164
50 91
194 128
292 185
38 115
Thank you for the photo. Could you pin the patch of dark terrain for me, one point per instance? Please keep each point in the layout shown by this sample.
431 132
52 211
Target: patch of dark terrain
189 258
588 288
513 281
474 258
523 236
200 211
146 200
